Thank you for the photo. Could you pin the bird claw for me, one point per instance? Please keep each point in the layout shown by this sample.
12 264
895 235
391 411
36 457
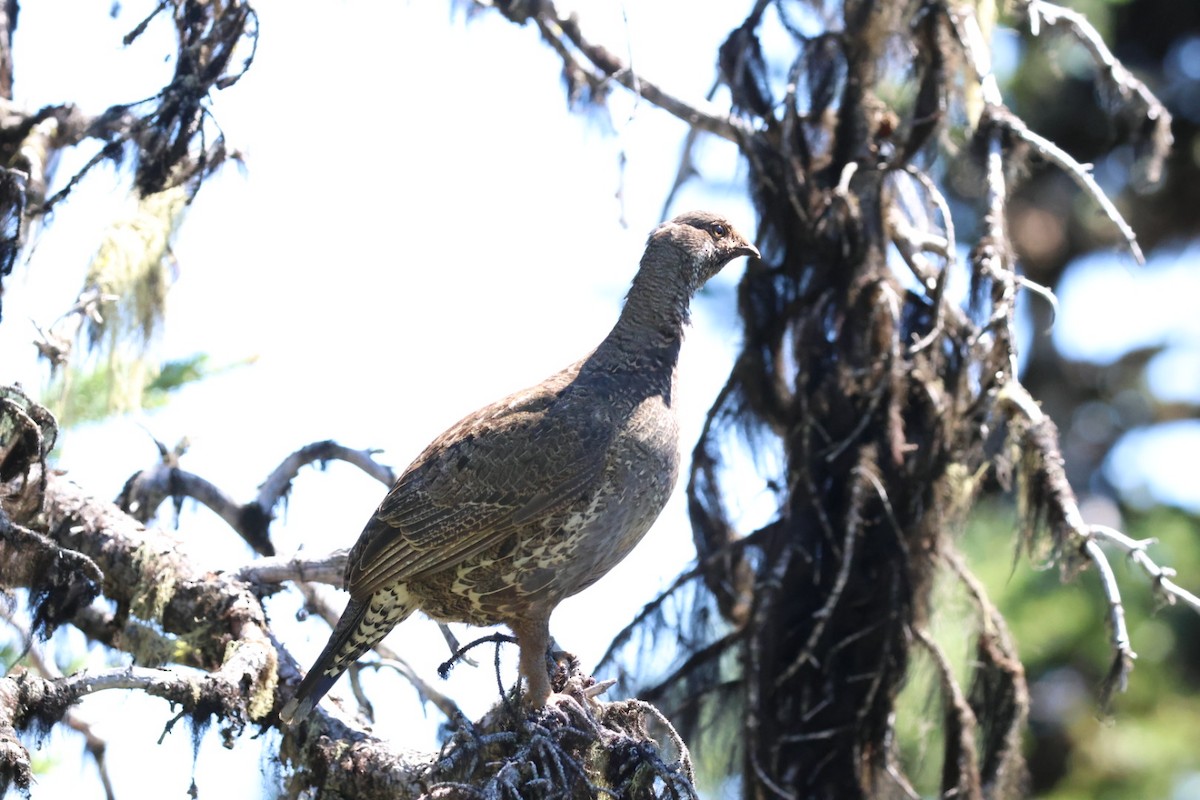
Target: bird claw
566 706
599 688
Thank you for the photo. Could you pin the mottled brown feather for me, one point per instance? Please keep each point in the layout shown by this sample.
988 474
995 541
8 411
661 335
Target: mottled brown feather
496 470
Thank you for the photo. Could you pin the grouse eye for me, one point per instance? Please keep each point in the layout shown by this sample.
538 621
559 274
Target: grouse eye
719 231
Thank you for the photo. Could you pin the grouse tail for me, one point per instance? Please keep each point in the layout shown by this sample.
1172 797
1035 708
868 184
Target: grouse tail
346 644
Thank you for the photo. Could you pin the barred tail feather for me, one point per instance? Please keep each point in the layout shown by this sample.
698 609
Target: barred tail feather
361 627
312 689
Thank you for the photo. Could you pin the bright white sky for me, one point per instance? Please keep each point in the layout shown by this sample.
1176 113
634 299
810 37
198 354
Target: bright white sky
438 231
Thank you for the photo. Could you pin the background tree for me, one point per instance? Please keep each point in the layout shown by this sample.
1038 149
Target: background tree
877 406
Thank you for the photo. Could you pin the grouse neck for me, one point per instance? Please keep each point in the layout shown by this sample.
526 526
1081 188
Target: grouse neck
655 312
643 347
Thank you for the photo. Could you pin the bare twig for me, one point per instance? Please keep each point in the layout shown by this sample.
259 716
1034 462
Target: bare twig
330 569
174 686
1161 576
564 35
1123 662
1082 175
1044 292
1133 92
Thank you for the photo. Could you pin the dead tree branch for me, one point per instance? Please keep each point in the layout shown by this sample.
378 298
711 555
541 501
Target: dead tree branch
215 622
330 569
146 490
1168 590
582 57
1044 493
1117 81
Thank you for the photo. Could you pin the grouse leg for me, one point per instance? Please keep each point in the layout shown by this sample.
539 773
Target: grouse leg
533 637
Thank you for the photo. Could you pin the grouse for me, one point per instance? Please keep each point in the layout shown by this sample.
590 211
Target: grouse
533 498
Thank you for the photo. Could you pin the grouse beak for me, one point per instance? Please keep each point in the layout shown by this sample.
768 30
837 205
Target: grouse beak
746 249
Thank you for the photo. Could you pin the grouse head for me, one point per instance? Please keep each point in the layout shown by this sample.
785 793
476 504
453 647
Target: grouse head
699 243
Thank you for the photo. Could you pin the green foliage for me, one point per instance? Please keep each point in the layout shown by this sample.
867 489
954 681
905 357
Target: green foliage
131 271
1146 746
121 385
174 375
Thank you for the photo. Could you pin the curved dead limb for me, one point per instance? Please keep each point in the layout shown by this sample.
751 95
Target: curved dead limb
960 767
1116 79
279 482
146 490
1043 493
597 65
971 40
